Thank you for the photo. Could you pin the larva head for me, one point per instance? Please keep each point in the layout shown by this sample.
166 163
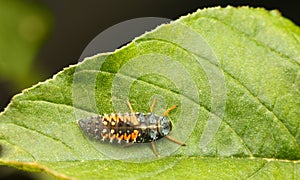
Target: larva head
165 126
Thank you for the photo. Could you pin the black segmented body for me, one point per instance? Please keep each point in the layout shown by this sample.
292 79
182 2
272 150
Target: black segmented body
129 127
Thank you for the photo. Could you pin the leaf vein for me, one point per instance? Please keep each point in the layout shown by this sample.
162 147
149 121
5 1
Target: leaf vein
265 106
13 144
188 98
47 136
205 108
241 85
281 54
257 170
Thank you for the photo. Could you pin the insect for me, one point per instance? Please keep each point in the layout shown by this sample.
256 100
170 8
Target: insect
133 127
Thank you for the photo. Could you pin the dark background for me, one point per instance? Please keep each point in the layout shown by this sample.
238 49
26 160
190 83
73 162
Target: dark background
76 23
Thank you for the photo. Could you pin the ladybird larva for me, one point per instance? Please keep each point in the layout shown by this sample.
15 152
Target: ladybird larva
133 127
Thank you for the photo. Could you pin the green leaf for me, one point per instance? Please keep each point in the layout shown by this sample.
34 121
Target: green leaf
233 72
23 28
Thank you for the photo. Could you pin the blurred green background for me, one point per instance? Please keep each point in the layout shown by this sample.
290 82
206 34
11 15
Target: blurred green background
40 37
23 28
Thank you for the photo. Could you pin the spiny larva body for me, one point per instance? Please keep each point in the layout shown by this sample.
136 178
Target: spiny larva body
129 127
137 128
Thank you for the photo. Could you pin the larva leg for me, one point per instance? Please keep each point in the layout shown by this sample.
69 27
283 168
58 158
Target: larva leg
153 104
175 140
169 109
130 107
154 148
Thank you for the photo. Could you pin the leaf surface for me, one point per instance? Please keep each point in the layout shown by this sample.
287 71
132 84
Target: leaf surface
233 72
